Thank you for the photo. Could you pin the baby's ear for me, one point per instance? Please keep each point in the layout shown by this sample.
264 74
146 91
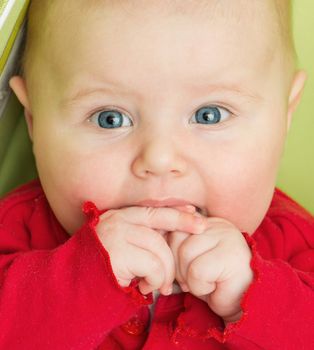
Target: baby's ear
18 85
296 90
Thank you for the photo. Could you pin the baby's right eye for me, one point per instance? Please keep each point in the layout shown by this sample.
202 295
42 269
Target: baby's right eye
110 119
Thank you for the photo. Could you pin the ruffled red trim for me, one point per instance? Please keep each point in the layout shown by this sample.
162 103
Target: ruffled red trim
219 334
92 214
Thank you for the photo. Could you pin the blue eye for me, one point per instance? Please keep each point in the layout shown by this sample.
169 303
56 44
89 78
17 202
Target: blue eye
210 115
111 119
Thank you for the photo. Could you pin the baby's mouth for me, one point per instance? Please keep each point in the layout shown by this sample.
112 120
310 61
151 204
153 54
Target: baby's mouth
201 211
173 203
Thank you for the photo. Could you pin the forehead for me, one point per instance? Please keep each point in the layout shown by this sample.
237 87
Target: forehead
256 15
216 36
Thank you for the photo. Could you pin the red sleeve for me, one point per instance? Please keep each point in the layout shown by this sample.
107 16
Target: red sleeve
279 305
61 298
278 308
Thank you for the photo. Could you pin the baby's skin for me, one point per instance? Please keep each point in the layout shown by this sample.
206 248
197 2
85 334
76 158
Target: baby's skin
209 257
192 105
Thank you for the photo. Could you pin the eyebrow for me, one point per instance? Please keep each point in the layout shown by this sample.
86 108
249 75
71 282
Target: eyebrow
231 88
75 98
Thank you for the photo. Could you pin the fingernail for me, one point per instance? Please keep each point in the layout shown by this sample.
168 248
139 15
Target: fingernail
168 291
190 208
184 287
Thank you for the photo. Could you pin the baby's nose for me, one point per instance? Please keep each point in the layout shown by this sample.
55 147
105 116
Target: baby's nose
160 156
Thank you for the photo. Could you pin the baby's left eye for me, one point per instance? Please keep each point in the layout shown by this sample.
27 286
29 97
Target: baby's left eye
210 115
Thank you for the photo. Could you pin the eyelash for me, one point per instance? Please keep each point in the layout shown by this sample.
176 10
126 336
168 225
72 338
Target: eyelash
194 117
213 106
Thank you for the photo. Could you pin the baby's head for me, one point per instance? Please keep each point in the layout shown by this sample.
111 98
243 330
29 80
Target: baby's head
154 100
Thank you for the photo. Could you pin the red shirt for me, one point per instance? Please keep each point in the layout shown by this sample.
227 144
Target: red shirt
59 292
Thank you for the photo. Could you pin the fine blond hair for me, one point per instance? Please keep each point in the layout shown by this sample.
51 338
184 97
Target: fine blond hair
44 15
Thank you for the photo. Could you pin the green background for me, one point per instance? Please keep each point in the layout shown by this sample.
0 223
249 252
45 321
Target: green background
296 176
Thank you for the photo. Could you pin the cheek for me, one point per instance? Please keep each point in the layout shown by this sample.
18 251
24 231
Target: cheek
71 174
77 171
241 178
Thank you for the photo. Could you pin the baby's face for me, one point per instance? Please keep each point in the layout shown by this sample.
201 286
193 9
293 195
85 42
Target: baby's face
138 107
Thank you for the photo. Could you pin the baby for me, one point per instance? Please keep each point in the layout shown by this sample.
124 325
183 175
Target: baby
165 121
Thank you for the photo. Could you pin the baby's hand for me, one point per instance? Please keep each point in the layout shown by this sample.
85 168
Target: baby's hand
136 246
214 266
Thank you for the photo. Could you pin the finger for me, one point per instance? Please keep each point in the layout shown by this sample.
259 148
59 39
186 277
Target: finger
145 288
175 240
192 247
115 232
162 232
187 208
153 242
168 219
204 273
147 266
206 280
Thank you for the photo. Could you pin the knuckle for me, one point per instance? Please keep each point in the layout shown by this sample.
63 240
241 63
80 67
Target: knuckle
196 273
226 225
150 213
173 219
155 266
156 240
185 252
199 289
109 228
111 215
181 216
